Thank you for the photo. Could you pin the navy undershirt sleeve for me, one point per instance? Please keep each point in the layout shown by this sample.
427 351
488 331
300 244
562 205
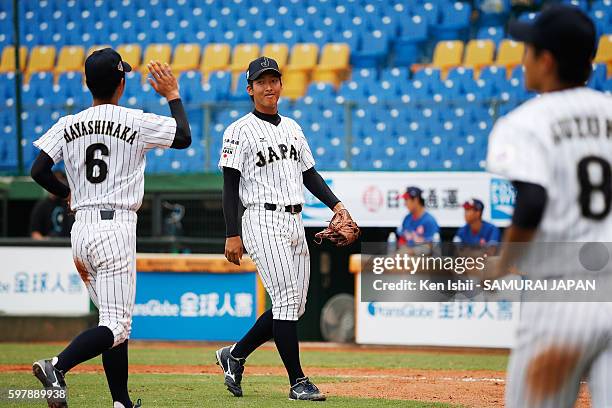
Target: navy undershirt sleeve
317 186
231 200
42 174
530 204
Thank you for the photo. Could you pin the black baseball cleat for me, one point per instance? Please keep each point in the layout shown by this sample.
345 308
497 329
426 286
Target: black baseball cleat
232 369
52 379
305 390
138 403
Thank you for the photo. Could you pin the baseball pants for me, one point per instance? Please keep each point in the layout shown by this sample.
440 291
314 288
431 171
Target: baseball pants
276 242
104 252
558 346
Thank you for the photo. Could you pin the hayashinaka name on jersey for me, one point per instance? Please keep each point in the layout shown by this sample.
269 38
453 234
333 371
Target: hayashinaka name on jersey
100 127
273 156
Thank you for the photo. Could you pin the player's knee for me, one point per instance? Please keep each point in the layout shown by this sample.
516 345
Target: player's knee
121 335
121 331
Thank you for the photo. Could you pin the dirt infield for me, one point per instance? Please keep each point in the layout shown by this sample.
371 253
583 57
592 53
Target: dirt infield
462 387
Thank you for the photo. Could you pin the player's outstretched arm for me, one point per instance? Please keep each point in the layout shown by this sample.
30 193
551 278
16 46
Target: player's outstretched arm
163 81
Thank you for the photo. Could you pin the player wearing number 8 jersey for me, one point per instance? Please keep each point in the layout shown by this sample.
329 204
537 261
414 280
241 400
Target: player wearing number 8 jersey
103 148
556 149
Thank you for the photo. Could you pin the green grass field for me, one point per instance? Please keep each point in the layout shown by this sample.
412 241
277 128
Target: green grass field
207 390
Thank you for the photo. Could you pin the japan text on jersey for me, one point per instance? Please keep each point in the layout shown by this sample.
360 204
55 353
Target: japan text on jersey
271 159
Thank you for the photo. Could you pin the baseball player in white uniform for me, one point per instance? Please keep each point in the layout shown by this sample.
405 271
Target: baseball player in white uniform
103 148
557 151
266 161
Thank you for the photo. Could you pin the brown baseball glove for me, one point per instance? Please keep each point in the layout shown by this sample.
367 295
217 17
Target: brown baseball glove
342 230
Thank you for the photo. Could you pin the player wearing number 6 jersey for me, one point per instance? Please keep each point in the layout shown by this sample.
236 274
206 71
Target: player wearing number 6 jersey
103 148
557 150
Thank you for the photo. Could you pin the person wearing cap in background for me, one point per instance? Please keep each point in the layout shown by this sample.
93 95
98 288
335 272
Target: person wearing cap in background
476 232
419 228
556 150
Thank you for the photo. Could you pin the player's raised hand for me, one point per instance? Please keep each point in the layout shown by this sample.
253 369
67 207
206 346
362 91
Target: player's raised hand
233 249
162 80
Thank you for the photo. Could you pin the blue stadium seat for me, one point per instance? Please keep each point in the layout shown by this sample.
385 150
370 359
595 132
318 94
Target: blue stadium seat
430 11
72 90
289 37
601 5
528 16
396 74
495 75
303 113
399 10
387 23
493 13
413 34
7 88
39 91
133 80
601 18
479 90
318 37
364 74
220 83
348 22
352 91
191 86
454 22
373 51
598 77
321 91
385 90
493 33
349 36
317 130
448 91
461 75
581 4
420 88
428 76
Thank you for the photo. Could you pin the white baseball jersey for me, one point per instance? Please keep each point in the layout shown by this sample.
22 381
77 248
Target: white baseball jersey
104 149
270 158
563 142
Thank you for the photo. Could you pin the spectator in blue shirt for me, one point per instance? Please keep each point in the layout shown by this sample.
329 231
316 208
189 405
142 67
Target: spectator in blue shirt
476 232
419 228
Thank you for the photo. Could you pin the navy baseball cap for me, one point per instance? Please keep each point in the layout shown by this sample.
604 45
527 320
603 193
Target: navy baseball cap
413 192
564 30
261 65
104 69
474 204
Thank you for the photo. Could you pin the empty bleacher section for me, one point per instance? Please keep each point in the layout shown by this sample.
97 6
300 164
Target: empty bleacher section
376 85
